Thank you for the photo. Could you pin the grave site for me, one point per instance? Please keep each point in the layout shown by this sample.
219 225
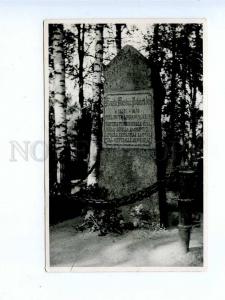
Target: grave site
126 145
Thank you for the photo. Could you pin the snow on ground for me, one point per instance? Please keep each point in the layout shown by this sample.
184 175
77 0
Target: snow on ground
136 248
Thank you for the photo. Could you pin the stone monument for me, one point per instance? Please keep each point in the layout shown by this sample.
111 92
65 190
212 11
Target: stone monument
128 155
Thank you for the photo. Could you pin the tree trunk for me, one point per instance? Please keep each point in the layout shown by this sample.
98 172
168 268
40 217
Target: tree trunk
193 101
96 108
172 139
52 150
81 30
160 161
52 140
119 36
158 101
183 106
155 45
60 105
81 126
193 120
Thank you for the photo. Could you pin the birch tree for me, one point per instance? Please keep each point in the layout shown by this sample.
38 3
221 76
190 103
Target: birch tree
52 151
95 142
60 104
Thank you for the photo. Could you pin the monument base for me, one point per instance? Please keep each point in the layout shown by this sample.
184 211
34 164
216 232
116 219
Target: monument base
123 172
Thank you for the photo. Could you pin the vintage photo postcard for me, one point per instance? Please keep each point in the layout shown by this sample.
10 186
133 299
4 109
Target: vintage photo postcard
124 129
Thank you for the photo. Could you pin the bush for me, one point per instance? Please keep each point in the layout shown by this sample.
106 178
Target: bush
103 221
144 218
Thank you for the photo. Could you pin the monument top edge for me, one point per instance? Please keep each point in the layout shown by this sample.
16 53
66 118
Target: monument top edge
124 51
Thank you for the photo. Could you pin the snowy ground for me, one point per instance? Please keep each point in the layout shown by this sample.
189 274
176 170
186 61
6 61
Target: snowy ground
137 248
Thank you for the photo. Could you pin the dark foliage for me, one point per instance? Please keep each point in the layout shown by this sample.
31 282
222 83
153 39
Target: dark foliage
103 221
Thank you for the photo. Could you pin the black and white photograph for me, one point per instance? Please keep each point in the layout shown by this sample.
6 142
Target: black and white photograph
124 127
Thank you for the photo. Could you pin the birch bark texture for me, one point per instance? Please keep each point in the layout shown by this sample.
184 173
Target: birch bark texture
59 101
95 142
